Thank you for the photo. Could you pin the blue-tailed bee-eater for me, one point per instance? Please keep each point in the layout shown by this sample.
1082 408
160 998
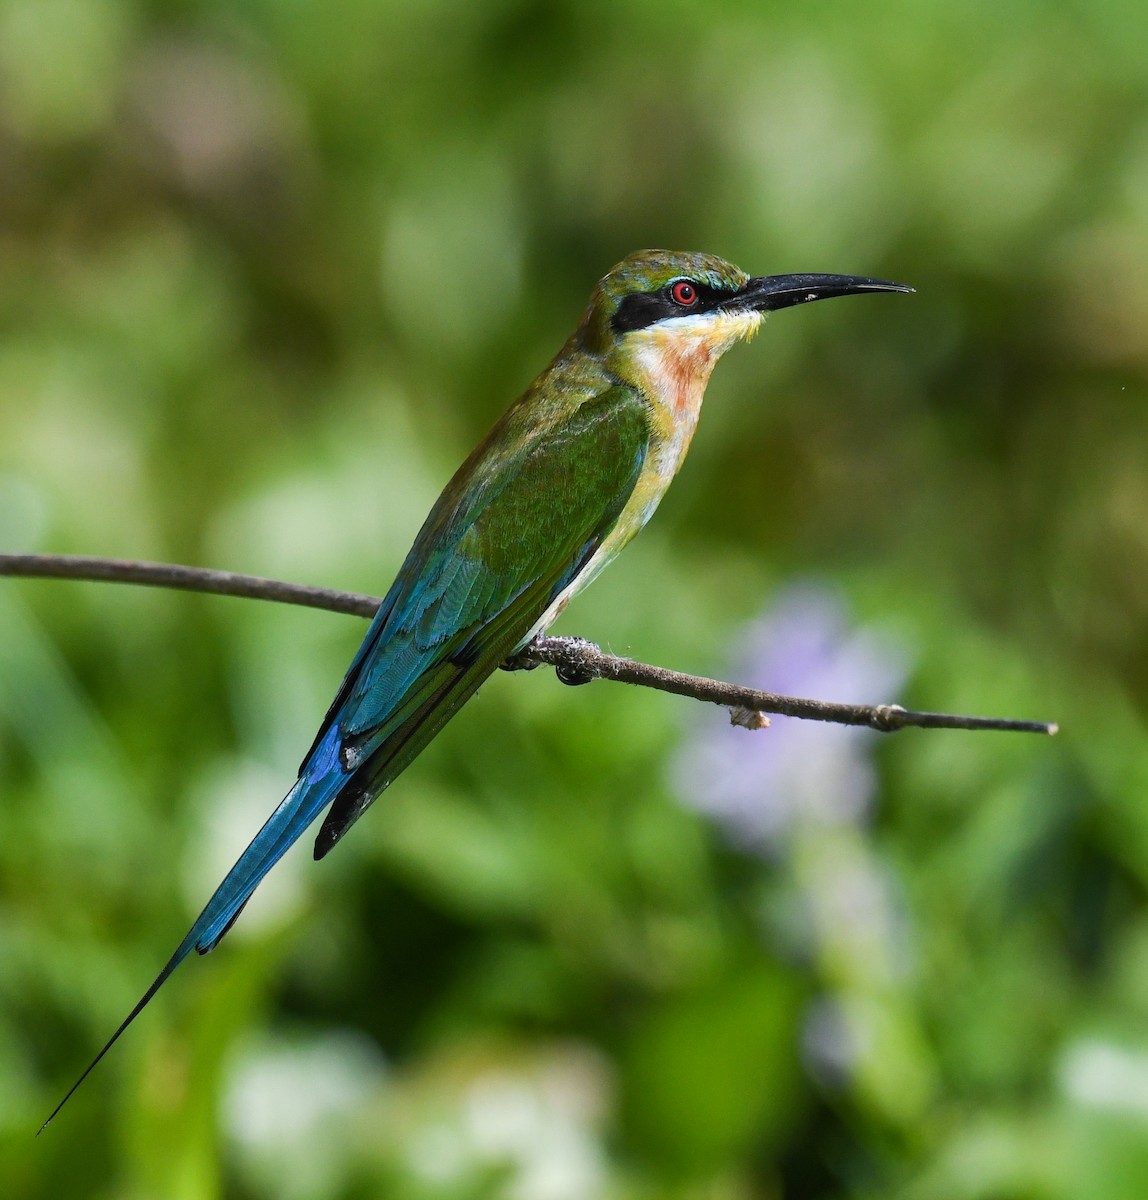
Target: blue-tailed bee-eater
568 475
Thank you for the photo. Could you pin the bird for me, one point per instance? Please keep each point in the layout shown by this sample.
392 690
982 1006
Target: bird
567 476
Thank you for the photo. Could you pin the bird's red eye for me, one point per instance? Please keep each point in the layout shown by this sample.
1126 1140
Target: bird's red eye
684 293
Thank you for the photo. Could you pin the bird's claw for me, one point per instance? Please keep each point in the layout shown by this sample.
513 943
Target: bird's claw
572 672
521 660
569 669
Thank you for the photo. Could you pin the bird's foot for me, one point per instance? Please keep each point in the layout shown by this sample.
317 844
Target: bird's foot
564 654
522 660
572 669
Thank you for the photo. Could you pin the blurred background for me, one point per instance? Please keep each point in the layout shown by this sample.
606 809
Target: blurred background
268 270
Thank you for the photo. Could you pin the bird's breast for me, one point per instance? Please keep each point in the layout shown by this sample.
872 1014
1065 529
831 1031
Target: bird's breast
671 363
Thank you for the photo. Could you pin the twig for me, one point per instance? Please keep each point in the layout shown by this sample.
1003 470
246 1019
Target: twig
581 659
187 579
575 660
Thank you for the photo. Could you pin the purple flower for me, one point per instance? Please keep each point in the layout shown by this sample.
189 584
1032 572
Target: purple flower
758 785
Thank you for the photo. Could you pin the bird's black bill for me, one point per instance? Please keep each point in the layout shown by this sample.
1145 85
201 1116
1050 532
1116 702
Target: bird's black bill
769 292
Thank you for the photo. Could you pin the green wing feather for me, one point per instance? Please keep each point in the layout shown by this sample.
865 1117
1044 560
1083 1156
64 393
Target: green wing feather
514 528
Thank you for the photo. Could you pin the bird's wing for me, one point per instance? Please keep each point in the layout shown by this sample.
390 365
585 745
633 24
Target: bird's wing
510 532
473 593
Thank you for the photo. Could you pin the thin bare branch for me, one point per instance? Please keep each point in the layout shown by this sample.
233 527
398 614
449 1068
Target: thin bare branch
574 659
187 579
579 661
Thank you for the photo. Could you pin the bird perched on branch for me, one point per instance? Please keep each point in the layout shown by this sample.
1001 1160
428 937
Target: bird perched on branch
571 472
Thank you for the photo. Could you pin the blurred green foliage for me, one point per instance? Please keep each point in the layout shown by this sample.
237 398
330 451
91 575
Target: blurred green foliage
268 269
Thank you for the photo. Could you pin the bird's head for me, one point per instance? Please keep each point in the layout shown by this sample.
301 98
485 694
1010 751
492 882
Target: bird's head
661 318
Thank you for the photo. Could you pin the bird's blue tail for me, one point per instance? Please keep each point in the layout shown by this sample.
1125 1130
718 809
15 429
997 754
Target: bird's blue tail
318 784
